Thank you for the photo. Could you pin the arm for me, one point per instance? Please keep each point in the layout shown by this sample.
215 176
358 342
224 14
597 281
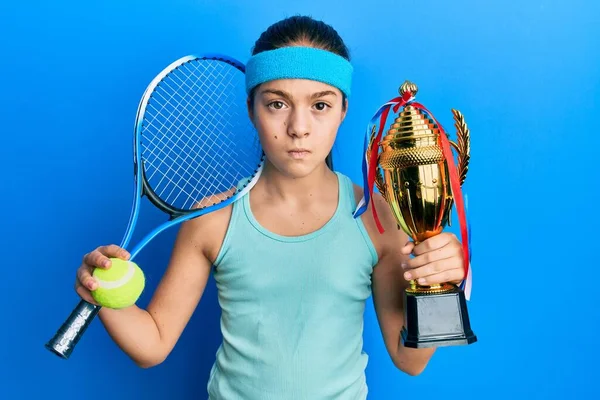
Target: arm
437 260
388 288
147 336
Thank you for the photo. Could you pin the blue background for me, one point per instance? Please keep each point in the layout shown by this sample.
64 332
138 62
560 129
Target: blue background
524 73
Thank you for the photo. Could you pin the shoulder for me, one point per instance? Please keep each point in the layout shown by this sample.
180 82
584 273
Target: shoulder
393 236
207 232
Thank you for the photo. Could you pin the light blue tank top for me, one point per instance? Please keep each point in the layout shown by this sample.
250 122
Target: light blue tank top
292 308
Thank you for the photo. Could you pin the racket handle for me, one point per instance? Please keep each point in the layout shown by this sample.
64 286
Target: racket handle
66 338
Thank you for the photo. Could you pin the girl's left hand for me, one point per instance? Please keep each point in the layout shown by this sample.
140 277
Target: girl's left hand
438 259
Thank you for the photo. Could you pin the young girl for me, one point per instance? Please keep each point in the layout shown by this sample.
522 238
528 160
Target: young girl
293 267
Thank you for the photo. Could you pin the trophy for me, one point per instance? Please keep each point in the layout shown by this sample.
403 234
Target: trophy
413 175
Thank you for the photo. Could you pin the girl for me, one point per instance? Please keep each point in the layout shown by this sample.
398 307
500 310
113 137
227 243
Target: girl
293 267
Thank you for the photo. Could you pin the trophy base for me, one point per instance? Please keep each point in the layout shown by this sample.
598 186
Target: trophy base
436 319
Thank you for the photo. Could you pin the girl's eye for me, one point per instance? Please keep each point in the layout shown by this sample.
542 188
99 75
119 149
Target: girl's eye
278 105
321 106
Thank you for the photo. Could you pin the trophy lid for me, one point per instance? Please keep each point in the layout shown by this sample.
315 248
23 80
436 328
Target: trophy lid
411 122
408 86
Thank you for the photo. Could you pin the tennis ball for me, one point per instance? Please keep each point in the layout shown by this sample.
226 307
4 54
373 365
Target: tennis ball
120 285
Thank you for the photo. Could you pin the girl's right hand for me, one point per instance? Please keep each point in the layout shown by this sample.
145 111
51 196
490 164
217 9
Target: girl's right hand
99 258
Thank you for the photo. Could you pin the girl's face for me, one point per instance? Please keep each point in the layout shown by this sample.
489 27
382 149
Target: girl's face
297 121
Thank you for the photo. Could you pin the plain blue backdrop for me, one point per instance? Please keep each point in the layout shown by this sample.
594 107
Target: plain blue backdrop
524 73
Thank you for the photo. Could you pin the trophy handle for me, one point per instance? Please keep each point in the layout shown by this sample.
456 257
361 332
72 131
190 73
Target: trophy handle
463 144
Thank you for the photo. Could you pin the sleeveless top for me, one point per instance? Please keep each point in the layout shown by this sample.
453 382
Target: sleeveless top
292 308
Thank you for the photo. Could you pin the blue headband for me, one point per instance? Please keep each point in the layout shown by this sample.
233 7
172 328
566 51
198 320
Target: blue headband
299 63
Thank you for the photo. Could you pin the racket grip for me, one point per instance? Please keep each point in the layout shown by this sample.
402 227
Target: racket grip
66 338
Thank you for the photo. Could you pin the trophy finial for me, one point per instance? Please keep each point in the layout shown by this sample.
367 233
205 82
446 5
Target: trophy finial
408 86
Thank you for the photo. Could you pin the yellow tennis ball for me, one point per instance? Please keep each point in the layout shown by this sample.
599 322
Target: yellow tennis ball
120 285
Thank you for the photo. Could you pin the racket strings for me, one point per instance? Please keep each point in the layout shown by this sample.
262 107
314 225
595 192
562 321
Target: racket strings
223 111
220 111
182 163
174 158
195 111
197 143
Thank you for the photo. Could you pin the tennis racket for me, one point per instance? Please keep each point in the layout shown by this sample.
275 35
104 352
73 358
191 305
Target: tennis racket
195 151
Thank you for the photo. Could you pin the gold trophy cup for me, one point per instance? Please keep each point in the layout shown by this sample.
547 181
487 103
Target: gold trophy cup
412 175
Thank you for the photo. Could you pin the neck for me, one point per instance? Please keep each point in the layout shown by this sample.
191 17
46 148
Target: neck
277 185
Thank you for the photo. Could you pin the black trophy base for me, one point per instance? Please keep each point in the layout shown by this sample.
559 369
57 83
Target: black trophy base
436 319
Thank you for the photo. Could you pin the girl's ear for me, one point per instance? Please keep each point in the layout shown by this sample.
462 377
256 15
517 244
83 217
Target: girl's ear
250 109
344 110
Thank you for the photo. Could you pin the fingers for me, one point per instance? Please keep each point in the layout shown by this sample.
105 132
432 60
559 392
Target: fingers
85 278
85 283
115 251
407 248
434 243
84 293
100 257
436 272
451 275
436 260
432 256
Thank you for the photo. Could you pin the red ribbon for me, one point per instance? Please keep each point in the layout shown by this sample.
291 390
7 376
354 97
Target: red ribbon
455 185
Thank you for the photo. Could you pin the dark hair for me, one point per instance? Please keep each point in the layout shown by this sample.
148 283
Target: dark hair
297 30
